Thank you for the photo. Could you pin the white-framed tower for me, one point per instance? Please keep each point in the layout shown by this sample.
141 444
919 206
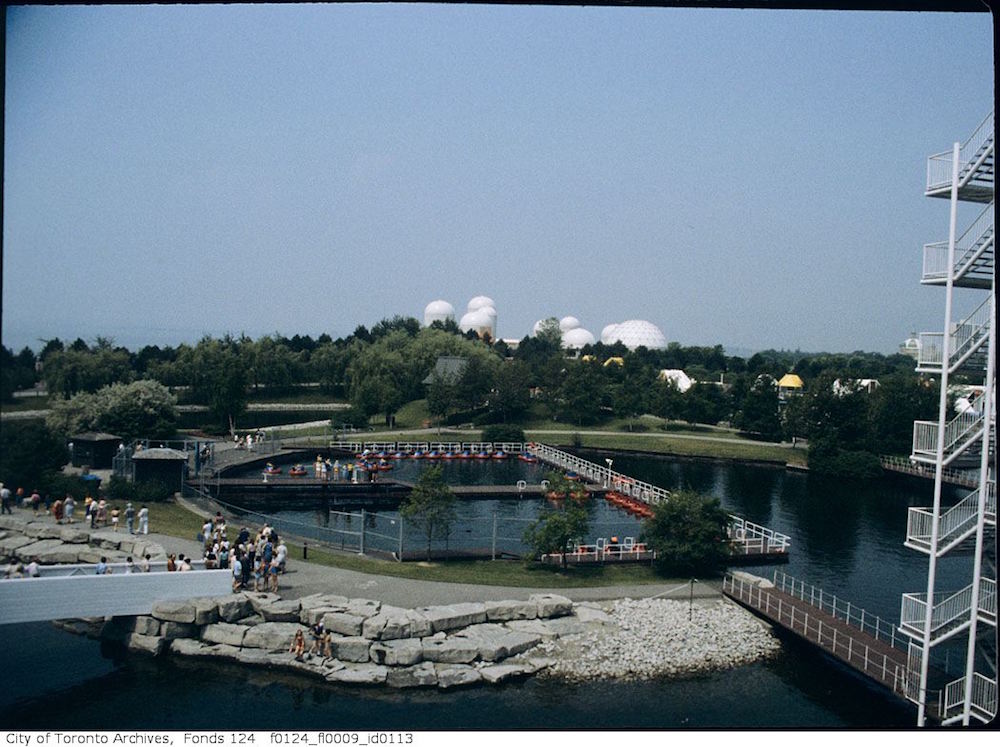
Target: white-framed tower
963 619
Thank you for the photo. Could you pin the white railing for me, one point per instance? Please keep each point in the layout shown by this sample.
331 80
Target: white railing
958 429
991 501
409 447
602 475
949 607
957 521
966 337
750 538
984 695
856 652
747 537
976 239
850 613
939 166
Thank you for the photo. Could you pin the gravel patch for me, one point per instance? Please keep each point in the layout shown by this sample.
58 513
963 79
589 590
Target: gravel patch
648 638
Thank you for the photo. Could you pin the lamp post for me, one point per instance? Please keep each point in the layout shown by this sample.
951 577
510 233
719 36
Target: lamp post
607 477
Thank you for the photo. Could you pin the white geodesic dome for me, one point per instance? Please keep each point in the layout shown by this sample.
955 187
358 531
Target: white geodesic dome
576 338
480 302
568 322
479 321
438 311
634 333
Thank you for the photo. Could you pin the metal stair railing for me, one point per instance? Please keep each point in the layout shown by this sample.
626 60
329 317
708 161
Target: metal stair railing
950 612
959 432
984 697
973 153
966 338
955 524
976 243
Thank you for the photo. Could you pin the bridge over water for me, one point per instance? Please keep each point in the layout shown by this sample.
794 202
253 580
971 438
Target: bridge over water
71 591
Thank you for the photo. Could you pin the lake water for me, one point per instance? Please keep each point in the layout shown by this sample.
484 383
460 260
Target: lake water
846 539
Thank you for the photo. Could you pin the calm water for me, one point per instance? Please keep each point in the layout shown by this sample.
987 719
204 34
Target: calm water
846 538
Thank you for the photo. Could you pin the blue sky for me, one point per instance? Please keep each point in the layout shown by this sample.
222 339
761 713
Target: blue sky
744 177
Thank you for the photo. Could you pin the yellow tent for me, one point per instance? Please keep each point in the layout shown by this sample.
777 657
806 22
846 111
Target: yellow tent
616 360
790 381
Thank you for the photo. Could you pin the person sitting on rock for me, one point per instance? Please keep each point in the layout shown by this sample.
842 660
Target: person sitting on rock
298 646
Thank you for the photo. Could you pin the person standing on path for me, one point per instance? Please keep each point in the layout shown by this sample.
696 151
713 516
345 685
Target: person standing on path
4 500
130 518
69 505
143 520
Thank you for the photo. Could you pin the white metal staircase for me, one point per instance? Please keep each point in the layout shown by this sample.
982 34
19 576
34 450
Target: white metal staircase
955 526
974 256
967 529
966 344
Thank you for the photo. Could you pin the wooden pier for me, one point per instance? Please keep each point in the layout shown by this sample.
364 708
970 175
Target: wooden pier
873 649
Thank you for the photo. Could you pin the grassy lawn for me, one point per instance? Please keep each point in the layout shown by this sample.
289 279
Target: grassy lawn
664 444
22 404
310 396
177 521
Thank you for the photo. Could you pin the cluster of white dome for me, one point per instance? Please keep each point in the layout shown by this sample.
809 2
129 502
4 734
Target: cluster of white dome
634 333
480 316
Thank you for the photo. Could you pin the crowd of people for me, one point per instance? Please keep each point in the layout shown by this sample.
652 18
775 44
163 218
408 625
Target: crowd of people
256 560
97 513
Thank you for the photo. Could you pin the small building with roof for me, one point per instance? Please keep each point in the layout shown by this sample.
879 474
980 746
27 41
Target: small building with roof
789 385
93 449
168 466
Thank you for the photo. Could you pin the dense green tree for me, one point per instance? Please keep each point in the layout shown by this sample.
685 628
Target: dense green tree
705 403
688 532
30 453
77 369
759 412
16 372
142 409
430 506
511 395
474 383
894 405
581 394
440 396
563 522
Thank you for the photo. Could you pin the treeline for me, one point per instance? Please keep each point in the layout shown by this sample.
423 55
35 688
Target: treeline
379 370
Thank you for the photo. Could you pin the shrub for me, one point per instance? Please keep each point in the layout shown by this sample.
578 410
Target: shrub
689 534
121 490
503 432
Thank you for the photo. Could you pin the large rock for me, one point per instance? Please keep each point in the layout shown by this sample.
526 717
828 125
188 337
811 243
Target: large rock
253 655
420 675
171 630
148 644
312 615
449 650
397 653
94 555
42 531
351 648
146 625
359 674
272 636
456 675
363 607
233 608
343 623
14 542
107 543
541 628
206 610
188 647
451 616
37 548
223 632
591 613
281 611
496 642
500 672
182 611
12 523
389 624
259 599
74 536
511 609
61 554
552 605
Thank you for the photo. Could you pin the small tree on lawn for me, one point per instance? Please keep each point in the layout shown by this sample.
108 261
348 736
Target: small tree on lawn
688 533
558 526
430 505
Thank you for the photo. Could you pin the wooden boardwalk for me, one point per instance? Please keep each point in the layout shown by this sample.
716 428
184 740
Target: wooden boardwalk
871 656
